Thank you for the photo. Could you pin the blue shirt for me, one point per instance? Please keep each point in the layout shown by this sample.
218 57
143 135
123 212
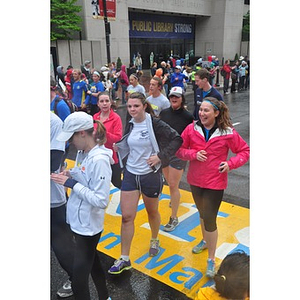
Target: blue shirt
62 108
95 88
242 70
178 82
79 90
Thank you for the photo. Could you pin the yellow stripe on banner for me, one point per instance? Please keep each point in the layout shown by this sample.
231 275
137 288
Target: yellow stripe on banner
175 265
70 165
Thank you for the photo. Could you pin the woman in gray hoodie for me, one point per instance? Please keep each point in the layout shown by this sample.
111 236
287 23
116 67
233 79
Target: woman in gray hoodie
90 184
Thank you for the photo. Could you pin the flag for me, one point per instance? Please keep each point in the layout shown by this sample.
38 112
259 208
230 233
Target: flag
98 12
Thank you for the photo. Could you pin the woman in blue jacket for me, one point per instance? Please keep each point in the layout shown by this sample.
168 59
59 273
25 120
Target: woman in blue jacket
90 184
96 88
242 74
178 78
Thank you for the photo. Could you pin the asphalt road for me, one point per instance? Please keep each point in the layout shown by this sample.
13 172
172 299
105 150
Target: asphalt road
135 285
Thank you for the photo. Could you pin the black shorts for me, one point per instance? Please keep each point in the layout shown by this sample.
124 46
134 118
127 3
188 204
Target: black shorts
177 163
150 184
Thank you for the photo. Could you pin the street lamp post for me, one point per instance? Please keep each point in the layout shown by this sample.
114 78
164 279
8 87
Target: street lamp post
107 31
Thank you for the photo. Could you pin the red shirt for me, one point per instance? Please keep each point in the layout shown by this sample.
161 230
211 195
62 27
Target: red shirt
227 69
113 125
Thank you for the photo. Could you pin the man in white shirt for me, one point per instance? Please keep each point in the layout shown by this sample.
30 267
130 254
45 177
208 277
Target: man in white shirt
157 100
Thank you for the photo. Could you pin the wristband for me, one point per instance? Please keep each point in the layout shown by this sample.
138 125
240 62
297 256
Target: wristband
70 183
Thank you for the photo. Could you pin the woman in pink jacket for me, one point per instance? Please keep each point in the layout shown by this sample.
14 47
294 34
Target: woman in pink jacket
113 125
206 144
123 78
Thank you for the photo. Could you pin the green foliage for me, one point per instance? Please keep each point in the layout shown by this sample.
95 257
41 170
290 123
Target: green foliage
119 63
64 19
236 57
246 27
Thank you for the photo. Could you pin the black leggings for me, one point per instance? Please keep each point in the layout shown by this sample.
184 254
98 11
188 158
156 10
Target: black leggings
62 239
86 261
208 202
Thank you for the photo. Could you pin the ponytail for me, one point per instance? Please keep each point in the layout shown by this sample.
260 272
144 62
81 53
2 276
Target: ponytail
99 133
223 119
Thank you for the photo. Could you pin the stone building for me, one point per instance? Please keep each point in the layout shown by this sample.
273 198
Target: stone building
164 27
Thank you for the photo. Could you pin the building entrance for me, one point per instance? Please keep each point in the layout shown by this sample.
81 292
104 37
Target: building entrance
162 34
161 48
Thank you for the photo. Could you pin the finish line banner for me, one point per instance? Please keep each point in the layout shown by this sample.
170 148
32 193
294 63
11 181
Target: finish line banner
175 265
160 26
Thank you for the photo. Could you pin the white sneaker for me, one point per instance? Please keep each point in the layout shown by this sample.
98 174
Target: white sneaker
66 290
173 223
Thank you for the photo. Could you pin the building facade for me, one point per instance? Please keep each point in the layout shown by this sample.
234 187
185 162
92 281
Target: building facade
187 28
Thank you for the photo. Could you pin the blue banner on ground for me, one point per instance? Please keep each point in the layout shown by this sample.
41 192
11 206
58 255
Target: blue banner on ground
160 26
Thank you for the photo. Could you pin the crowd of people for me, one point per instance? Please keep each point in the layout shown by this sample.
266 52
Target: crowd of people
83 85
159 138
239 74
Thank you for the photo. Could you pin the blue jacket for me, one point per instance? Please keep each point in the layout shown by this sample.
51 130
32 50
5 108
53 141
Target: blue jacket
178 82
242 70
95 88
62 109
79 92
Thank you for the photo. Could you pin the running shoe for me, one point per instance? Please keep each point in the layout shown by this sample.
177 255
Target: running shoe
200 247
66 290
211 265
173 223
119 266
154 247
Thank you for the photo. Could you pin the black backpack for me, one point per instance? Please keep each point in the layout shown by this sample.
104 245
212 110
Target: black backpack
223 73
69 102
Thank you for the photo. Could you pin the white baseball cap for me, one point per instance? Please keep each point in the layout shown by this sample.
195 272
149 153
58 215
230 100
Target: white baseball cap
176 91
75 122
178 67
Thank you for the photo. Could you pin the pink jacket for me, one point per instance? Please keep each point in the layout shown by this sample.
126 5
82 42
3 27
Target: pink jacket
68 82
206 174
113 126
123 76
